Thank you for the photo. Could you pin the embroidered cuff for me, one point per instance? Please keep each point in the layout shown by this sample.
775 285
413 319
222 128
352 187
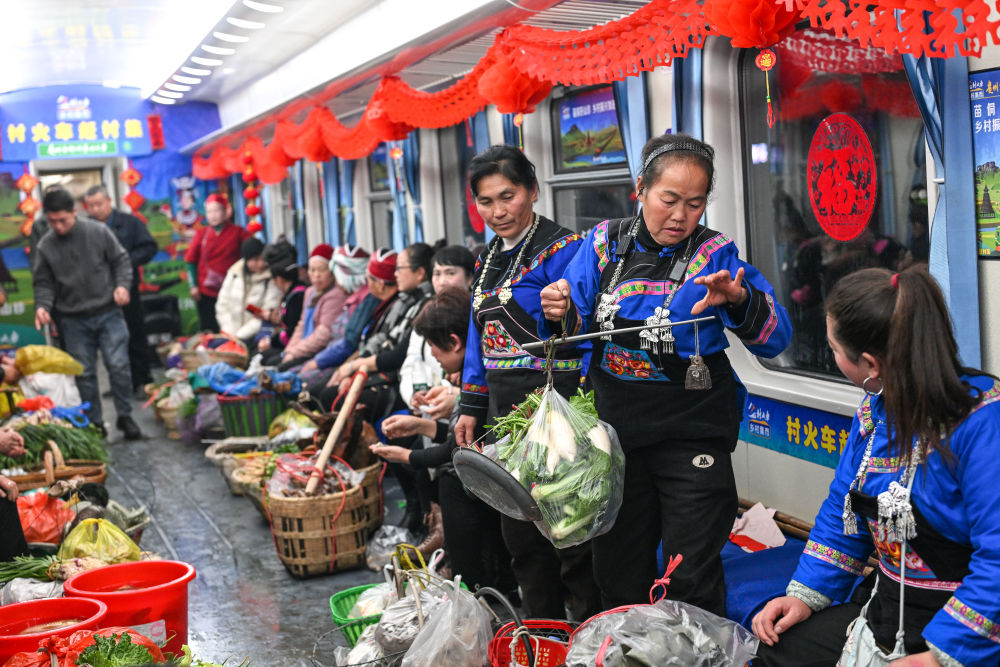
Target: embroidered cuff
813 598
972 619
943 658
836 558
759 319
475 402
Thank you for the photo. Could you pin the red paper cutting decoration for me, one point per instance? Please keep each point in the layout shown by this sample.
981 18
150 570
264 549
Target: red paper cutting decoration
751 23
130 177
155 125
29 206
383 127
841 177
134 200
26 182
511 90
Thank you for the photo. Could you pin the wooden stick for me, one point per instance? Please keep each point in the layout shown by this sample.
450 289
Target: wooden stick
357 383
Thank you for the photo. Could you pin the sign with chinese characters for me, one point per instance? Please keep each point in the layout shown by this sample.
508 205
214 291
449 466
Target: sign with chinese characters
73 122
812 435
840 175
984 100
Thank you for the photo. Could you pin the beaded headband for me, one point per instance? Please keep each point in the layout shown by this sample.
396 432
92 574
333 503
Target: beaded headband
703 150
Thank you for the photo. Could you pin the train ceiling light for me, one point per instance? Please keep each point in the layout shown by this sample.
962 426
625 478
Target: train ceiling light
232 32
525 61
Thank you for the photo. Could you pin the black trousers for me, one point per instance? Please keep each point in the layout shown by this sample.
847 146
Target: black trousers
691 508
815 642
11 536
206 313
551 579
138 346
472 536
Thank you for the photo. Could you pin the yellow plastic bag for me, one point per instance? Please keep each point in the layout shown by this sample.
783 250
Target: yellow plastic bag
290 418
32 359
101 539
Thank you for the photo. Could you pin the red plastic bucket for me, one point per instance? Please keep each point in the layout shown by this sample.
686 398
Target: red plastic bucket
16 618
149 596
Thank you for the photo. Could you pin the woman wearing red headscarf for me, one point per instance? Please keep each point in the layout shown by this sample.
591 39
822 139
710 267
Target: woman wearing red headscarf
323 302
213 250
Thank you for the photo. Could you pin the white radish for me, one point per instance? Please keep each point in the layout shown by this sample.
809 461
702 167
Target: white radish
552 459
599 437
561 436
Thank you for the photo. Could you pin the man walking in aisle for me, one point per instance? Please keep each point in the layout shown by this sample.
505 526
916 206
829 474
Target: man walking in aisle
82 277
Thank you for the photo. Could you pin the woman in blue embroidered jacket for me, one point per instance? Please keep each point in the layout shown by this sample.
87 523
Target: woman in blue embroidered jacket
679 483
890 335
529 252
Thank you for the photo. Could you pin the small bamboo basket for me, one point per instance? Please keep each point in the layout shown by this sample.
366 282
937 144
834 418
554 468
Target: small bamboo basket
55 467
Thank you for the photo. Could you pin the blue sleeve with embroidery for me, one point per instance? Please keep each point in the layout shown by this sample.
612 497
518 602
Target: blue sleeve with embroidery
474 400
581 270
832 561
968 627
762 324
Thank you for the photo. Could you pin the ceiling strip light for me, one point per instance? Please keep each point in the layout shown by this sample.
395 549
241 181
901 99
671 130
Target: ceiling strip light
195 71
229 37
167 93
263 7
185 79
218 50
176 86
207 62
243 23
161 100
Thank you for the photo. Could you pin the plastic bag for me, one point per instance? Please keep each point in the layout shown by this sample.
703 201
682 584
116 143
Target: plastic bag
292 471
365 651
667 633
571 462
25 590
402 621
32 359
383 543
59 387
288 419
65 651
457 634
373 601
179 394
209 415
101 539
43 517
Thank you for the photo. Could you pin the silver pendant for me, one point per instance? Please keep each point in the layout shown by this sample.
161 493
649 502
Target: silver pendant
895 514
650 338
505 294
667 338
606 309
697 378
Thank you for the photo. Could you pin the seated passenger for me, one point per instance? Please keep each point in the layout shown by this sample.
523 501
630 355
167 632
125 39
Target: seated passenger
248 283
471 528
916 483
283 262
323 301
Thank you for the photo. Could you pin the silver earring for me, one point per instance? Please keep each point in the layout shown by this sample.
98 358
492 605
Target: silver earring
881 386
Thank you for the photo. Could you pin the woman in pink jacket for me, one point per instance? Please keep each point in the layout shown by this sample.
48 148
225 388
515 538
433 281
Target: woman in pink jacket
323 303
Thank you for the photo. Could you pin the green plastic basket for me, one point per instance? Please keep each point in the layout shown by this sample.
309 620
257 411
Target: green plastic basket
250 416
340 606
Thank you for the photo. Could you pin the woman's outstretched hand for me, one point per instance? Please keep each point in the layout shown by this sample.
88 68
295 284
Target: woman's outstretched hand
555 300
777 616
723 290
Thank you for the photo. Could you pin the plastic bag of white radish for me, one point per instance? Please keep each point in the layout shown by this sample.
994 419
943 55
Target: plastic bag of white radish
570 461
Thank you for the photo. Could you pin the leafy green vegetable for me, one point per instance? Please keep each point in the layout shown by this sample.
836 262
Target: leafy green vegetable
75 443
28 567
114 651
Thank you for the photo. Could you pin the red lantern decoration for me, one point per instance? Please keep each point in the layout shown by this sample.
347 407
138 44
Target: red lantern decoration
26 182
511 90
134 200
252 210
130 177
249 175
751 23
396 153
247 157
253 227
29 206
250 193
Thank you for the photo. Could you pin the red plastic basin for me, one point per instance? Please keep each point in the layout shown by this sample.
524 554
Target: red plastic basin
149 596
16 618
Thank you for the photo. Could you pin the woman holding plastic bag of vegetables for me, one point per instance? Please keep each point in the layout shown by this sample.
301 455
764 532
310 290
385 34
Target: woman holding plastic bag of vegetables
528 252
670 393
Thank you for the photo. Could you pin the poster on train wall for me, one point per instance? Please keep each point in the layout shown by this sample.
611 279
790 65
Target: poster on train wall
984 97
588 131
794 430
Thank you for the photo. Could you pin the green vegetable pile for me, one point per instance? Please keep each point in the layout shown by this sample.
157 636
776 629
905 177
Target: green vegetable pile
561 453
114 652
28 567
75 443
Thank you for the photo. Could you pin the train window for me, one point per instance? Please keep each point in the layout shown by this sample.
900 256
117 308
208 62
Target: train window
818 75
382 216
583 206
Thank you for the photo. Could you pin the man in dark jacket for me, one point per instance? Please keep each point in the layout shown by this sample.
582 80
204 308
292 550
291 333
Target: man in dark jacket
141 248
82 278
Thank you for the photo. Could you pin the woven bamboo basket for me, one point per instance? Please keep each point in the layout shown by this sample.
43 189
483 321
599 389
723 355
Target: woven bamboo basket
168 415
54 468
371 492
321 534
195 359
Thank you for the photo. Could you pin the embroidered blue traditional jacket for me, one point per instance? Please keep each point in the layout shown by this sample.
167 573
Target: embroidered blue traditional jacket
958 500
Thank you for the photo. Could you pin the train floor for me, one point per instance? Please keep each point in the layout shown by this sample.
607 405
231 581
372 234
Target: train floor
242 604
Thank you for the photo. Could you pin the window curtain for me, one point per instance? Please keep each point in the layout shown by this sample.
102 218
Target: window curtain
411 169
299 213
509 130
633 121
265 216
346 193
331 200
397 188
941 89
687 94
237 201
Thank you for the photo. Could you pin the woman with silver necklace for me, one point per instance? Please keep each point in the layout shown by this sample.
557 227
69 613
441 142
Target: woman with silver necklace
670 393
529 252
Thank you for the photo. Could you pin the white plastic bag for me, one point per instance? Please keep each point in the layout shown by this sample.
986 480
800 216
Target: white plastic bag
373 601
24 590
58 387
383 543
402 621
365 651
457 635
